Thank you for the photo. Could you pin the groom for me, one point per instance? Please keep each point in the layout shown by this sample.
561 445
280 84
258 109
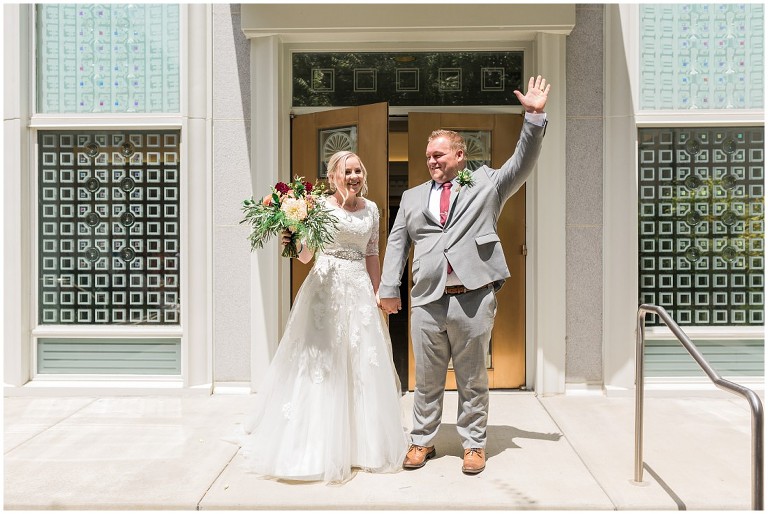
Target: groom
458 266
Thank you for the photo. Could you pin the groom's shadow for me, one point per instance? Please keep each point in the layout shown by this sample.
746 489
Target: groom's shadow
499 438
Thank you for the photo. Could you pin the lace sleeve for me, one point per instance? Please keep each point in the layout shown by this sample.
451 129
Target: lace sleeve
373 243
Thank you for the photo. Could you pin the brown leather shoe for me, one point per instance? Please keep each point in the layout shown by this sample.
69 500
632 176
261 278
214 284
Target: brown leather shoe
474 461
417 456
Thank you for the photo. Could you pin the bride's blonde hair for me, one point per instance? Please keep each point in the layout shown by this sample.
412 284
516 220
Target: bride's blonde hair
337 167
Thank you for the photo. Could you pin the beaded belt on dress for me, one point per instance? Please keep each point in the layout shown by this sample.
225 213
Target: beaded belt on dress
350 255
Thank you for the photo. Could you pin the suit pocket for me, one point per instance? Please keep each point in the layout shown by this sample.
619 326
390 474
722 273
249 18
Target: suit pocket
487 238
485 248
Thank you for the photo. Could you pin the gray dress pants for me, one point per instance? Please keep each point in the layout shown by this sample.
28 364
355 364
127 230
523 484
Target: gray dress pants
457 327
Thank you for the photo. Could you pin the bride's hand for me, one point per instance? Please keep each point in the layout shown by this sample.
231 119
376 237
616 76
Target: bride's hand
286 237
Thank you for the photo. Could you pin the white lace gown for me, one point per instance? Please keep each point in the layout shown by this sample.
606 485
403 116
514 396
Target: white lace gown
330 401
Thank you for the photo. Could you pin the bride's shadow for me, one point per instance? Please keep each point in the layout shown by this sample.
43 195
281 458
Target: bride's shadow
499 438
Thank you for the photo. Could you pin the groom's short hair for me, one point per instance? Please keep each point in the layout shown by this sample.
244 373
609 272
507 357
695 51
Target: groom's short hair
457 142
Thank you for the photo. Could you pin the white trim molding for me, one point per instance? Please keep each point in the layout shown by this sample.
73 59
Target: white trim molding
266 78
620 291
699 118
197 203
406 22
16 223
549 240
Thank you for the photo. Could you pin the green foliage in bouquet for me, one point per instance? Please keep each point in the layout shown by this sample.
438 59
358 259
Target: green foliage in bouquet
296 207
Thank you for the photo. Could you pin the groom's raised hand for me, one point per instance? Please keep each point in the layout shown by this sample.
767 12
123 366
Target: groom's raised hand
534 100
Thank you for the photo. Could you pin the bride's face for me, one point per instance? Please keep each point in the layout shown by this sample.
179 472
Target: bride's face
352 180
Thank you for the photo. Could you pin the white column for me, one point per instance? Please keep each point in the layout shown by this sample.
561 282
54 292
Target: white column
549 225
16 257
620 264
198 307
266 290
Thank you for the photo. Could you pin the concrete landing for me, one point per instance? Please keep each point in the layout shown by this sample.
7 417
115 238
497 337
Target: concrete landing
553 453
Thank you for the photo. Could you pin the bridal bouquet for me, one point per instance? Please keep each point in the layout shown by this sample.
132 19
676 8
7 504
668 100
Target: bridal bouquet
295 207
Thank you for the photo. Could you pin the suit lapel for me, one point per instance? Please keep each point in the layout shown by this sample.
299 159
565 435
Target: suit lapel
425 202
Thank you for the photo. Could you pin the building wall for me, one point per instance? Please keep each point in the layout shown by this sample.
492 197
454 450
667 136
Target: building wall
231 185
584 196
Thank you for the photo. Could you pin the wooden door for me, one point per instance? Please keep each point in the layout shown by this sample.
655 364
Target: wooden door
317 136
490 137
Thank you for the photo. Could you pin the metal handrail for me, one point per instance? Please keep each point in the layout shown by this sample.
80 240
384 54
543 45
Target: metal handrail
754 401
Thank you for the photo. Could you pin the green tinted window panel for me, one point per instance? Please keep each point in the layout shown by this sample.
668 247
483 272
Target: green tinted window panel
108 58
702 224
109 356
702 56
734 358
406 78
109 227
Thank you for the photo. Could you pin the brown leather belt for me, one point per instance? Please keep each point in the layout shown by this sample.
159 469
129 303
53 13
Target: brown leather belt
454 290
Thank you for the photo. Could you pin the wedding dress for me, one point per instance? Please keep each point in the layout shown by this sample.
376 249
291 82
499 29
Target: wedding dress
330 401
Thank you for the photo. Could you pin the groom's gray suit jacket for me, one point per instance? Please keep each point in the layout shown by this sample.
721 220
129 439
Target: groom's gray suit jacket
468 240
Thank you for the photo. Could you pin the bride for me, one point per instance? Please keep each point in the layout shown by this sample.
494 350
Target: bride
330 402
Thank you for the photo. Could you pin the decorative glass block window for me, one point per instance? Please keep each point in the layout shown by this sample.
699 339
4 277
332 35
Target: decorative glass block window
406 78
108 227
108 58
701 56
702 224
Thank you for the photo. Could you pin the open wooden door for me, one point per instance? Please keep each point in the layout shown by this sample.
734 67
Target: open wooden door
491 139
317 136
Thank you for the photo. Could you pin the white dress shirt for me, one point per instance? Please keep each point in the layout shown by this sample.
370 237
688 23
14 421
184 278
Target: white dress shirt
434 208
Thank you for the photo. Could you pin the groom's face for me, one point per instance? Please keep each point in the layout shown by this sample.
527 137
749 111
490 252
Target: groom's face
443 162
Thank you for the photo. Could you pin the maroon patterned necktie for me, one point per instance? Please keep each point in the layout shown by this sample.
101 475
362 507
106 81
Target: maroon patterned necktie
445 203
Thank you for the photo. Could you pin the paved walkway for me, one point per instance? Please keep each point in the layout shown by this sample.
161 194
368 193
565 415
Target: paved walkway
552 453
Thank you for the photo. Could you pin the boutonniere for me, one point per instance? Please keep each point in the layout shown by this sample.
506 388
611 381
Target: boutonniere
465 178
